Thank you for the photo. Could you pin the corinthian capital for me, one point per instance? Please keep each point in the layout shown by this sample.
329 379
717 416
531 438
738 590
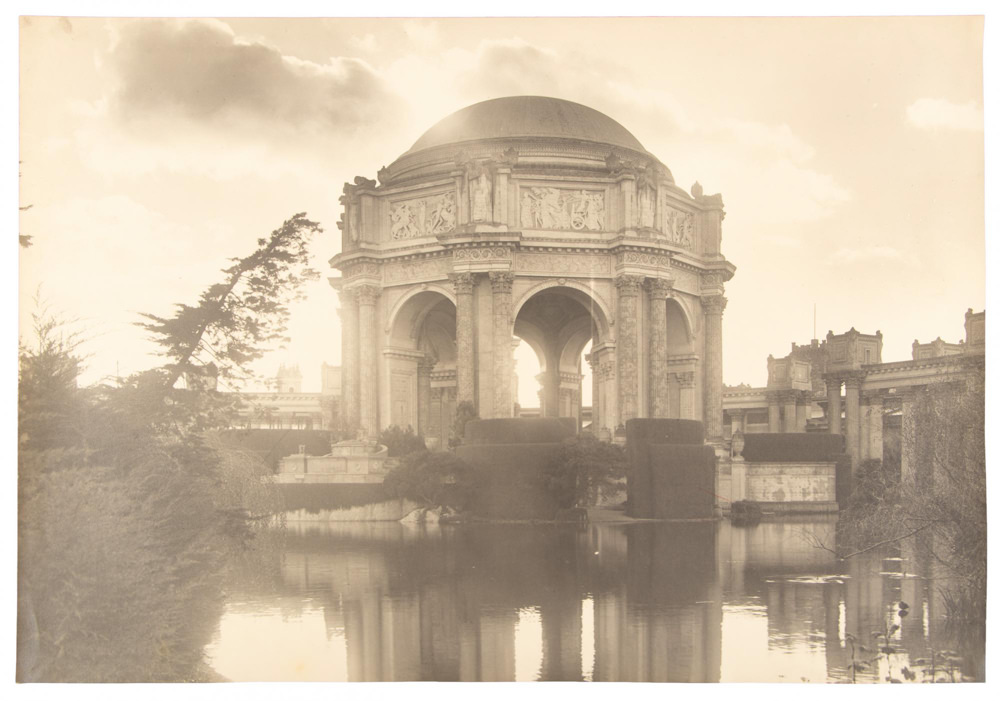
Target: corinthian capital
659 288
368 294
463 282
501 282
628 285
714 304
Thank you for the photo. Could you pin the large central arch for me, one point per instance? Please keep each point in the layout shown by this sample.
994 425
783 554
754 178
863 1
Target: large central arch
558 321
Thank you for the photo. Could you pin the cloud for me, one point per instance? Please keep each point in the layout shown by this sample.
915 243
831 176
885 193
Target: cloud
864 254
202 71
935 113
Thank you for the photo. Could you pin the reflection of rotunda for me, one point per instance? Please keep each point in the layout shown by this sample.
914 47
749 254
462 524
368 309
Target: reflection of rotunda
541 219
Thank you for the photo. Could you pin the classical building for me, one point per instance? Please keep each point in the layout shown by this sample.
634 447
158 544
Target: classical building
842 386
288 407
536 219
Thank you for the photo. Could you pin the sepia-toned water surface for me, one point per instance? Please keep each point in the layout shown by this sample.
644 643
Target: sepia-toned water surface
667 602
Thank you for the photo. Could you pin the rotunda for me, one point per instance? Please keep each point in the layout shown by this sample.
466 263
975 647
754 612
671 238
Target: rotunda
537 219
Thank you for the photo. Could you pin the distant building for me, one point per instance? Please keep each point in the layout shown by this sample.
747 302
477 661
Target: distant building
803 391
288 407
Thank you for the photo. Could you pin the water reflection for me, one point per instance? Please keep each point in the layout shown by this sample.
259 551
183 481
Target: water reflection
691 602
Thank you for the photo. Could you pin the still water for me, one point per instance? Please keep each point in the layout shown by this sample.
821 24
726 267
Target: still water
671 602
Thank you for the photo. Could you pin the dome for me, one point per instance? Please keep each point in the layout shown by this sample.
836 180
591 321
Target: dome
526 117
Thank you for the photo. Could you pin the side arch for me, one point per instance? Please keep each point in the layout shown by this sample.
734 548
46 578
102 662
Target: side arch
601 311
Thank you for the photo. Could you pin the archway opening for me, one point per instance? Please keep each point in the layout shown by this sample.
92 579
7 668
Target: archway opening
556 328
420 367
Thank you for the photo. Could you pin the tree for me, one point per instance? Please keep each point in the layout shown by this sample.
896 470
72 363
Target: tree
583 470
237 319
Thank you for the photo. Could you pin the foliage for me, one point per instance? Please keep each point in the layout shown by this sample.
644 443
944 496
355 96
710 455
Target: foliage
465 411
584 469
874 483
400 442
236 319
518 431
128 504
943 496
431 479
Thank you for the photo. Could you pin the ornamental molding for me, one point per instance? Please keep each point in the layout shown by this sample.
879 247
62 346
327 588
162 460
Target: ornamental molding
643 258
464 283
572 263
362 268
368 294
416 270
628 285
501 282
480 254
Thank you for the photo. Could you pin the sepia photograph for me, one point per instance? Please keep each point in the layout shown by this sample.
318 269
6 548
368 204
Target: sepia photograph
491 349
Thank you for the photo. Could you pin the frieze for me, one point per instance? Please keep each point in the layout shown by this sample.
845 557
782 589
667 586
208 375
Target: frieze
485 253
640 258
555 208
425 216
361 269
581 264
678 227
402 271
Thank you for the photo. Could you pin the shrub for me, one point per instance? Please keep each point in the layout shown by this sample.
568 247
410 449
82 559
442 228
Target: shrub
431 479
792 447
582 470
465 411
399 442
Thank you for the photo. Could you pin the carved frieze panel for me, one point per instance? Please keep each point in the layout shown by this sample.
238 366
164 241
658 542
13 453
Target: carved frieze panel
478 255
678 227
361 269
562 209
424 216
421 269
640 258
573 264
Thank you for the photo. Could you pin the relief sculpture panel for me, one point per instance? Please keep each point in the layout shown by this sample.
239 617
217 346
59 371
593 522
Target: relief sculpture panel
573 264
554 208
678 227
426 216
403 271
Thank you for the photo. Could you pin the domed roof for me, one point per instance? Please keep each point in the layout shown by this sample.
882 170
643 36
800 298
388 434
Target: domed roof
526 117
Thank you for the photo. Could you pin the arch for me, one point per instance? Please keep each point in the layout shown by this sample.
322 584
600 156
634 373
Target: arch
603 318
410 294
677 315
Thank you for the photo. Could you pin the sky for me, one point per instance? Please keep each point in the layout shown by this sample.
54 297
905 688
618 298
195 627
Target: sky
848 151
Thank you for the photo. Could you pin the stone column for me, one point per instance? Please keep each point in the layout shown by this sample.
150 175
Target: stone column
501 283
686 381
424 367
713 305
864 451
852 416
659 386
833 404
788 425
802 412
368 376
773 413
739 417
465 361
908 457
628 347
875 417
434 428
349 360
595 393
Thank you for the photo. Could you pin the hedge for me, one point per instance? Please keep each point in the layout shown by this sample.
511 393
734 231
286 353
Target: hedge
508 479
672 431
272 444
792 447
672 481
517 431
